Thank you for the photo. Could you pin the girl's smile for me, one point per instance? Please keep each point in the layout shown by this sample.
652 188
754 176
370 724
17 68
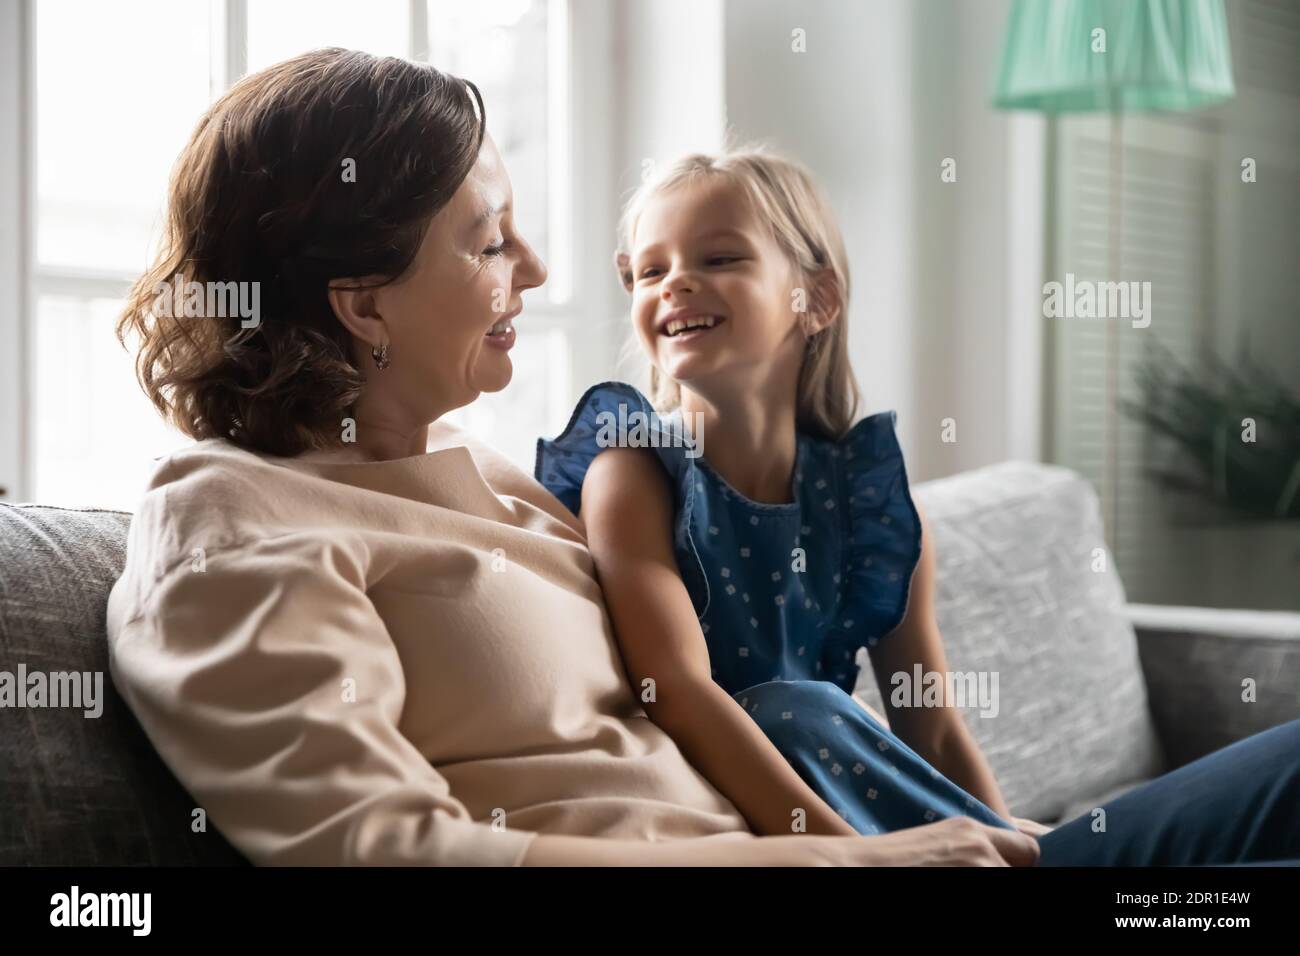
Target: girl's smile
687 325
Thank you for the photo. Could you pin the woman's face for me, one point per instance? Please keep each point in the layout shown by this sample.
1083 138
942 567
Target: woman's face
701 251
449 319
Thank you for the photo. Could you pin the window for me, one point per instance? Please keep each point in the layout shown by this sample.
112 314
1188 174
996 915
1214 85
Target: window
112 109
99 186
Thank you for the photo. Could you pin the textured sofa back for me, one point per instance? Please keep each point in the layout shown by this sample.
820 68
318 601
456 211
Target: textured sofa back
78 790
1017 594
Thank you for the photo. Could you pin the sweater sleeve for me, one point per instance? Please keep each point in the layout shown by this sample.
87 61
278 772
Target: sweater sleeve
268 682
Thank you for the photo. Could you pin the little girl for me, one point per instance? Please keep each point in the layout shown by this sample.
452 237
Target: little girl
754 541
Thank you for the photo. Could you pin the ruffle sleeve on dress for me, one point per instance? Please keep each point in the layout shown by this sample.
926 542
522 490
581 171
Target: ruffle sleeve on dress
615 414
884 539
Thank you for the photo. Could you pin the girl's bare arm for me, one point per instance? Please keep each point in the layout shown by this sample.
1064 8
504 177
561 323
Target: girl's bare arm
628 512
937 733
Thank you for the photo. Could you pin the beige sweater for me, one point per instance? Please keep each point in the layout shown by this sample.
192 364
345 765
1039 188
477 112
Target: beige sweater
402 662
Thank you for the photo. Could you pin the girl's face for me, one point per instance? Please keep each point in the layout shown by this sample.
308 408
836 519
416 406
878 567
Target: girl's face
701 257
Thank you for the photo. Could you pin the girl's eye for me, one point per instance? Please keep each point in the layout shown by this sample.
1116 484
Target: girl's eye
650 271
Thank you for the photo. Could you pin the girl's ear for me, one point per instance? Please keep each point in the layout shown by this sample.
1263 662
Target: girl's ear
623 264
825 303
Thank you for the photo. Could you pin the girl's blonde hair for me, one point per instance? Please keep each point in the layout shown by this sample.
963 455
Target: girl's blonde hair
788 200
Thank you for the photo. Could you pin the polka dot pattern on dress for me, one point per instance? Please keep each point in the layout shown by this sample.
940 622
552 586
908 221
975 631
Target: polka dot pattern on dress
849 514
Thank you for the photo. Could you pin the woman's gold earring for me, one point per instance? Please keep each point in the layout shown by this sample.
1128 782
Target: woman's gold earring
380 354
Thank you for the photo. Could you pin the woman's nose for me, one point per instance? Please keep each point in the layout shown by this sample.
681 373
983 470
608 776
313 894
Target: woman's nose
532 270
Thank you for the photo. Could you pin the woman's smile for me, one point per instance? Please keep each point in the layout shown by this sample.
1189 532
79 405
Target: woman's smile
502 334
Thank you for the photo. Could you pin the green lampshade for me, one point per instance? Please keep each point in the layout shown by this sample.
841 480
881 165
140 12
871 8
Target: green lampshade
1160 55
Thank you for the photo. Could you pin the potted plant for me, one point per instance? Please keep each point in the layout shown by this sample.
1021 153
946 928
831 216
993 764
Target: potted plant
1232 482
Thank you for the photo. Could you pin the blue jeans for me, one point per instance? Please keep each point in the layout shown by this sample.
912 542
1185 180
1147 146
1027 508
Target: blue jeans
1237 806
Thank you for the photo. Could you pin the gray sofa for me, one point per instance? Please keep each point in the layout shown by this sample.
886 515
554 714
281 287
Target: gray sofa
1095 696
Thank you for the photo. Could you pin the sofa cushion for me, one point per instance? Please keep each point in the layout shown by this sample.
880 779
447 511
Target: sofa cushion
1215 676
78 790
1016 595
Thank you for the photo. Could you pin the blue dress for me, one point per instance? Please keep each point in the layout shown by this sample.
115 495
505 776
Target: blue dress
787 594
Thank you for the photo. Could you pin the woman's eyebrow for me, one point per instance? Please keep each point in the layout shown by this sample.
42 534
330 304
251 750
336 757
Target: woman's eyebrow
488 212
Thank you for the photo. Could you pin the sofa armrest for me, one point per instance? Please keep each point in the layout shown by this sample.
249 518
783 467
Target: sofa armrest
1216 676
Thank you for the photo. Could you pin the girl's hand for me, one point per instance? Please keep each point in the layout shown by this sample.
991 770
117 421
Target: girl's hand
1030 827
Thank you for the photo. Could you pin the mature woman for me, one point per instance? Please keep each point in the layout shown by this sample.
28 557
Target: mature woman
355 634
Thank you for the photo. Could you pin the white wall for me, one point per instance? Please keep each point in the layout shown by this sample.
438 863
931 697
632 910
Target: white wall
845 109
672 68
992 314
669 69
945 316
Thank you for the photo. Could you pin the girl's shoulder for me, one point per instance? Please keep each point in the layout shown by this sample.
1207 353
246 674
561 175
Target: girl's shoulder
618 415
610 415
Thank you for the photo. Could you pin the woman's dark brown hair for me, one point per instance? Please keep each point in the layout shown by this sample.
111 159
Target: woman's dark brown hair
326 166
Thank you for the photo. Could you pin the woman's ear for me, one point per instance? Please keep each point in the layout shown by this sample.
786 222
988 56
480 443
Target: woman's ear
355 306
623 264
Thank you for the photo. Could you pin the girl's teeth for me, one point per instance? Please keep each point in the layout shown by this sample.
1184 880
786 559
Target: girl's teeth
701 322
500 327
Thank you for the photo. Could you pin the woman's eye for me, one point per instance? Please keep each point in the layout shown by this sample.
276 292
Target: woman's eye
497 249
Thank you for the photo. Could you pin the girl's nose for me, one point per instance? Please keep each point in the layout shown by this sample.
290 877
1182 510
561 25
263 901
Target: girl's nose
676 284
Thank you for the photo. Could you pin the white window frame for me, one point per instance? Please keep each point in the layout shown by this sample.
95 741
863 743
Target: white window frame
579 295
16 203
